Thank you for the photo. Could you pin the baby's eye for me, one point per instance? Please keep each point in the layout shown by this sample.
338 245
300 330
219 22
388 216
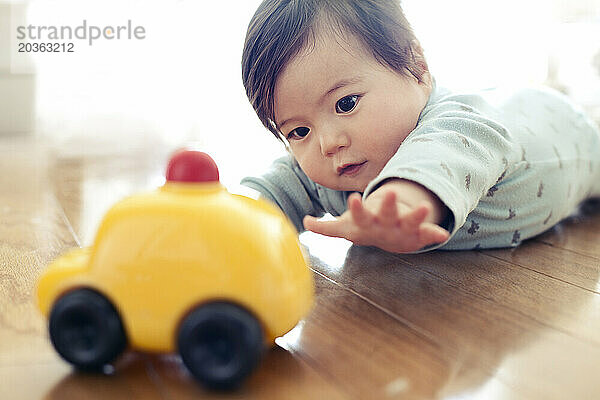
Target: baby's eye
346 104
298 133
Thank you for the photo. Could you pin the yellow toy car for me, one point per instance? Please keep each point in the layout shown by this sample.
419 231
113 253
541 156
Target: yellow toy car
189 268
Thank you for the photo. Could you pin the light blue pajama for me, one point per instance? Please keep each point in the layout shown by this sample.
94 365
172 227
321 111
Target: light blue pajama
508 165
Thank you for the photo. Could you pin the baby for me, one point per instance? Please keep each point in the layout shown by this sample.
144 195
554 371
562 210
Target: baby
404 164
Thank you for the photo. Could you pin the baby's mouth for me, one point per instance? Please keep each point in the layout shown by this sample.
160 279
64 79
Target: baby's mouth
350 169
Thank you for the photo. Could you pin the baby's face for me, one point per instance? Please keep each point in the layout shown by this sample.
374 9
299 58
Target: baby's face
343 113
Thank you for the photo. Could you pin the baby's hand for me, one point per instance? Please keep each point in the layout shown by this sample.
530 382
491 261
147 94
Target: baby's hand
383 222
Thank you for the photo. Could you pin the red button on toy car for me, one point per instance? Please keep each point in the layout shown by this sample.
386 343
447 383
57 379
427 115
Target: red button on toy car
192 166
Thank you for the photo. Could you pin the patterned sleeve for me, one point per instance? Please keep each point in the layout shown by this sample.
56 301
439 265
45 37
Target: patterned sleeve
286 185
456 153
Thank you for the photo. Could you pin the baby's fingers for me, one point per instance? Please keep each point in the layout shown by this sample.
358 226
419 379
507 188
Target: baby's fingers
416 216
388 213
432 234
334 228
360 215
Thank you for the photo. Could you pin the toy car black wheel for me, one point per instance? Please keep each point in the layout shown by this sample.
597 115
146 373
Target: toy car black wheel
220 344
86 330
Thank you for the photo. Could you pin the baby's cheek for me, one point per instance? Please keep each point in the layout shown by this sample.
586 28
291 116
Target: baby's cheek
309 168
316 175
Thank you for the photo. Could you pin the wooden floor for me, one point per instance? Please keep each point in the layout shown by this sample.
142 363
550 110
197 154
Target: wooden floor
503 324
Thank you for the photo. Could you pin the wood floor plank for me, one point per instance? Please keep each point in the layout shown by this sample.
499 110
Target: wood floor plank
551 302
31 381
33 230
131 379
366 351
485 334
374 355
580 233
568 266
279 376
87 187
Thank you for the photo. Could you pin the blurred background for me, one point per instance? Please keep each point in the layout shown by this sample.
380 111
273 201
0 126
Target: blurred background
182 83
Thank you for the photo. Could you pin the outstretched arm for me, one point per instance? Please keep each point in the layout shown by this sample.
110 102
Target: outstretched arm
401 216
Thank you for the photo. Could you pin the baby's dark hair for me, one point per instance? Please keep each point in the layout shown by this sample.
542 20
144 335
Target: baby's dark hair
280 29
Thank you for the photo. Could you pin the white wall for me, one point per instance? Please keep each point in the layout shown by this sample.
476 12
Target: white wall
483 43
181 84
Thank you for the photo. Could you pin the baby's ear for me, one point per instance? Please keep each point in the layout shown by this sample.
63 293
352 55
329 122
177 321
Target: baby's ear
419 57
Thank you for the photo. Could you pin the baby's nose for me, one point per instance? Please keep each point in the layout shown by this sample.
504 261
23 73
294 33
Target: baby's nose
333 141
